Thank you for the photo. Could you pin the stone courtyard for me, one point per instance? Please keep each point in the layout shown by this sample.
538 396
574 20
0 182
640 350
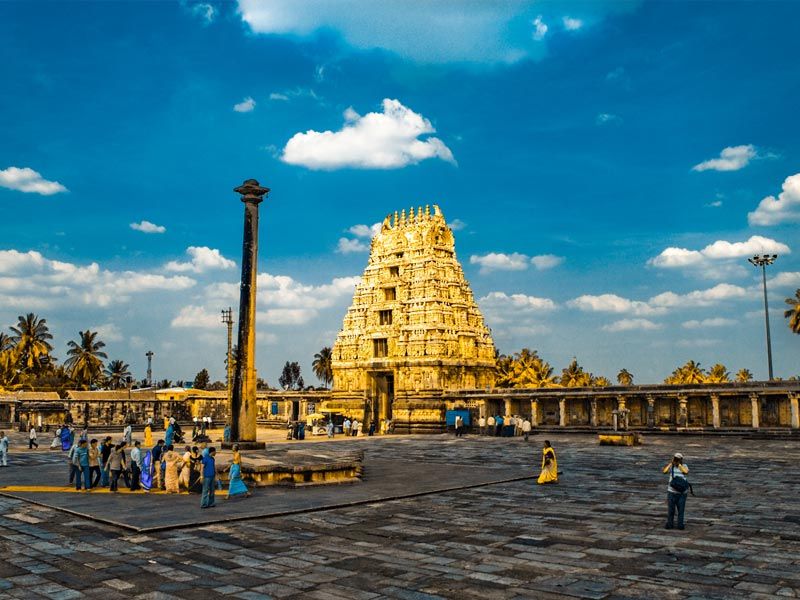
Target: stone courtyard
435 517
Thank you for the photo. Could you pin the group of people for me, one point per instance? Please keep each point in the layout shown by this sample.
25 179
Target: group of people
497 425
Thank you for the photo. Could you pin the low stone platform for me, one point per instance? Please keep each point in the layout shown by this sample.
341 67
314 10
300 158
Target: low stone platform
295 468
620 438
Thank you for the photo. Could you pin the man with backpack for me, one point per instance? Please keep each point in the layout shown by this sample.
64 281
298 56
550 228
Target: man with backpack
677 489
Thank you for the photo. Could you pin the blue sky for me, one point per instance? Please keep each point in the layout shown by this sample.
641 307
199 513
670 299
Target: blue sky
608 167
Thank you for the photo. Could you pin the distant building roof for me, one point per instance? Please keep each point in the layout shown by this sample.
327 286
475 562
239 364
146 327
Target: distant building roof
38 396
111 395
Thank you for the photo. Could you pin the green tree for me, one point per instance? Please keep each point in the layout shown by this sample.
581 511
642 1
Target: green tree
323 365
624 377
743 376
31 341
574 375
201 380
718 374
290 378
793 312
118 374
85 359
688 374
504 371
164 384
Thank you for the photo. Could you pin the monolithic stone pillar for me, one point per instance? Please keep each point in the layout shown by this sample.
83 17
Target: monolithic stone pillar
794 410
562 412
593 412
683 411
651 410
534 412
622 411
715 410
243 400
754 406
507 402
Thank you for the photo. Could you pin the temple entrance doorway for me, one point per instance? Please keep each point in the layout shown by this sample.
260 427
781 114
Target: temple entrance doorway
379 405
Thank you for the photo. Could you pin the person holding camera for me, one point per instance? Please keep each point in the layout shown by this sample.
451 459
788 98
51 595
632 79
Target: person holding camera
677 489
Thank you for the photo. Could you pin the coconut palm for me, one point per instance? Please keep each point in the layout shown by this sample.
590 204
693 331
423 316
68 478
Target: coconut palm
793 313
574 375
718 374
743 376
504 371
84 362
624 377
600 381
688 374
117 374
31 343
530 371
322 365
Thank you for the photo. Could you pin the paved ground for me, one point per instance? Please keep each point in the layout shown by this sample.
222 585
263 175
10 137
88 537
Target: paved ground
597 534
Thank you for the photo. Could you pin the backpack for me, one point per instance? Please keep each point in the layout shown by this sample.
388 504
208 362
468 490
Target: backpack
679 484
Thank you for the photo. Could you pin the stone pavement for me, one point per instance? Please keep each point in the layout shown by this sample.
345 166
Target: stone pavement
597 534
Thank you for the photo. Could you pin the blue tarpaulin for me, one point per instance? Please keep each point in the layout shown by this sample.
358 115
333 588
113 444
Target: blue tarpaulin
450 417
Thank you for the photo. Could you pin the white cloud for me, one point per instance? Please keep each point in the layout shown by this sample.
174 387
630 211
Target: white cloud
28 180
696 343
731 158
516 302
571 24
386 140
278 96
497 261
608 119
203 259
108 332
713 322
631 325
456 224
246 105
197 316
783 209
546 261
148 227
714 204
287 316
348 246
366 231
205 11
539 28
612 303
786 279
718 259
708 297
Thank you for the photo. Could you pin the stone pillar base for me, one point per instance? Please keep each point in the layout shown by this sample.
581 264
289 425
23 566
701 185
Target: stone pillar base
244 445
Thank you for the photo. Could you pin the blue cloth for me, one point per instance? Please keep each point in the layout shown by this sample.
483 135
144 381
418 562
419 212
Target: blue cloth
236 486
675 503
157 451
66 444
146 479
168 436
86 477
82 456
207 499
226 434
209 467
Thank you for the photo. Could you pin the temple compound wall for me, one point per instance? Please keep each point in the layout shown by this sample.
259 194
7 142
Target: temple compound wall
412 331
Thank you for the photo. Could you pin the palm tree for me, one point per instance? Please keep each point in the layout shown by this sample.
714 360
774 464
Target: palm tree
117 374
793 313
688 374
31 343
624 377
718 374
530 371
323 365
574 375
85 363
600 381
744 375
504 369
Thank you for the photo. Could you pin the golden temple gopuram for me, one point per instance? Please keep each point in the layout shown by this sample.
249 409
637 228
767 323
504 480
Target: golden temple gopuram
413 330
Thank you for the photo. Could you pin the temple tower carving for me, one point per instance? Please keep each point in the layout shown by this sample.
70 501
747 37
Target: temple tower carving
413 330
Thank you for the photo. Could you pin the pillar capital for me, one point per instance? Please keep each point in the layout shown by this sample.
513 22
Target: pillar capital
251 191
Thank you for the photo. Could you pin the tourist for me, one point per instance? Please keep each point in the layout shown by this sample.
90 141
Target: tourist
148 435
511 427
236 487
209 475
226 433
498 426
549 472
459 423
329 428
84 436
3 449
157 451
677 489
526 429
66 444
169 435
127 434
146 476
136 466
490 425
346 426
482 425
186 466
171 461
117 465
166 423
105 451
32 439
56 439
73 470
80 458
195 471
94 464
355 427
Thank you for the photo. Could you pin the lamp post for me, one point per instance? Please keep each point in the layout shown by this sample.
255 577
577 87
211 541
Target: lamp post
762 261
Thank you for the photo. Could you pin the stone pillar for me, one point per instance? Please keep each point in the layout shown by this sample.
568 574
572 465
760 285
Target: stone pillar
754 409
507 402
794 410
243 399
651 410
623 412
593 412
715 410
534 412
683 410
562 412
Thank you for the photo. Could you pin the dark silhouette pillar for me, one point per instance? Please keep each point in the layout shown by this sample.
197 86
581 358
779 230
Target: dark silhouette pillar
243 400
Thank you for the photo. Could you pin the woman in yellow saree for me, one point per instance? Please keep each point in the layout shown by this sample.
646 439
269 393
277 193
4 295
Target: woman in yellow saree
148 436
549 472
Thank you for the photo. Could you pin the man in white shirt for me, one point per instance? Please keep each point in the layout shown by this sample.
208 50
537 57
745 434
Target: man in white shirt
346 427
526 429
32 439
677 489
482 425
356 426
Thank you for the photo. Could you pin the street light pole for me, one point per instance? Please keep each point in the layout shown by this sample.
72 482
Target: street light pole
762 261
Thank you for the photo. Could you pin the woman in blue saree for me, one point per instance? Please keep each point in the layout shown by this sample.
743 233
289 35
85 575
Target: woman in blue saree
66 441
146 478
169 435
236 486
